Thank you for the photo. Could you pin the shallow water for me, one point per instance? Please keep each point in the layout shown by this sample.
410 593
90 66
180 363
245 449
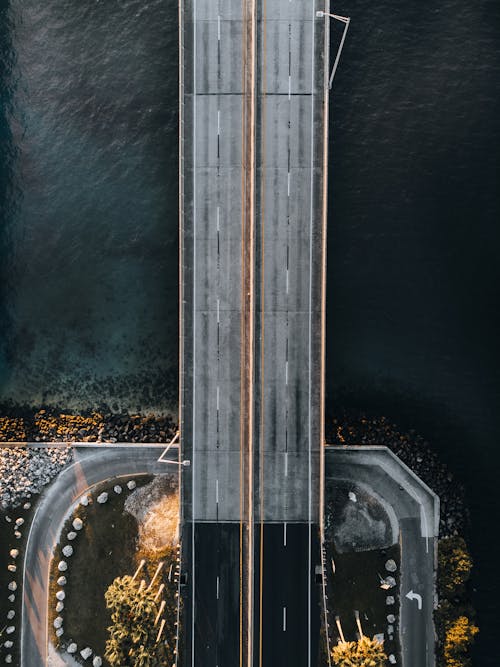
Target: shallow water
88 223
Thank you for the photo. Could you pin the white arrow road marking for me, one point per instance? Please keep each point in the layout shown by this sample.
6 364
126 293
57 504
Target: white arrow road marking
415 596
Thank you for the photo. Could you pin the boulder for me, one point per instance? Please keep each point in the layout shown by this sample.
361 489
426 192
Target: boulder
392 659
11 597
97 661
63 566
86 653
10 614
11 568
77 524
19 521
389 600
60 595
68 550
102 498
390 565
62 581
117 489
59 632
131 485
14 553
8 658
8 644
71 535
72 648
12 586
58 622
391 618
17 534
59 607
10 629
84 501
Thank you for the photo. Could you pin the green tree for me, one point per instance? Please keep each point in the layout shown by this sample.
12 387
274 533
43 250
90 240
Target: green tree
132 636
364 653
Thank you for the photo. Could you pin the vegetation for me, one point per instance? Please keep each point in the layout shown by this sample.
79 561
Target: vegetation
364 653
454 626
134 637
455 565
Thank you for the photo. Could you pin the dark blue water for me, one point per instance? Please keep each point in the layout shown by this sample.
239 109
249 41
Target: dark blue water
88 223
414 276
88 298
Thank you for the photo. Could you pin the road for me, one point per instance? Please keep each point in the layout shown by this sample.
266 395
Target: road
90 467
416 509
253 236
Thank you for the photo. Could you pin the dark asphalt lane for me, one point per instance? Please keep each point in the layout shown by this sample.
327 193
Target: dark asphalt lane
217 596
290 596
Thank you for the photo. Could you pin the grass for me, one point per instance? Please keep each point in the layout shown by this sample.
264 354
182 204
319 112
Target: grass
107 547
356 586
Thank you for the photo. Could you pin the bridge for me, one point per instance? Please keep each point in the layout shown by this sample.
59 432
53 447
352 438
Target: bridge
253 166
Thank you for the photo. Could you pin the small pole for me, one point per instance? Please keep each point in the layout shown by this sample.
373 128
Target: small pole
162 607
143 584
339 628
358 623
162 625
160 565
141 565
162 586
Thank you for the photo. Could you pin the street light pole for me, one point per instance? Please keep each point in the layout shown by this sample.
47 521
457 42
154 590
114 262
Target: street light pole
346 21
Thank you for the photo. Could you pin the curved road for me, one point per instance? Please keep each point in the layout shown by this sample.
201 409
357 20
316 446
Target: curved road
90 467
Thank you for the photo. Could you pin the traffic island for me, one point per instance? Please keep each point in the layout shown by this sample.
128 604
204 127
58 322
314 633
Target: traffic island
381 525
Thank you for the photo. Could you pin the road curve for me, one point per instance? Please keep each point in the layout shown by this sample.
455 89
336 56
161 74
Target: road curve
90 467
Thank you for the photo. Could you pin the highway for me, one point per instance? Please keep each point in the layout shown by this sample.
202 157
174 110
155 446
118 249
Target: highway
90 467
252 236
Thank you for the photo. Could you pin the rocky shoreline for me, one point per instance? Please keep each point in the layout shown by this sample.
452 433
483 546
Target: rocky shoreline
417 454
25 471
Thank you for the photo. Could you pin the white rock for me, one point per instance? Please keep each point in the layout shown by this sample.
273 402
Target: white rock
84 501
12 586
19 521
103 498
77 524
392 659
117 489
352 496
97 661
63 566
379 637
11 568
58 622
10 614
59 607
391 618
8 519
60 595
17 534
8 644
11 597
391 566
8 658
131 485
390 629
86 653
68 550
62 581
71 535
59 632
10 629
390 581
389 600
14 553
72 648
26 506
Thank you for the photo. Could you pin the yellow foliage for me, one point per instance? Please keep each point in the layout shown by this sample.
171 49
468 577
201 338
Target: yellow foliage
66 427
364 653
459 636
12 429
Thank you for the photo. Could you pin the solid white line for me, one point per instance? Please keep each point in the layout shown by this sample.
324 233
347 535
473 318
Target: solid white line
289 87
218 218
217 588
284 619
193 455
218 121
217 491
218 393
287 281
286 372
286 464
309 463
218 28
218 311
284 534
288 184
